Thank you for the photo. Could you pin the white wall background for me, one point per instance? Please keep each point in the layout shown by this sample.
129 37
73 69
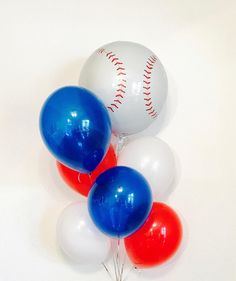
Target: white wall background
43 45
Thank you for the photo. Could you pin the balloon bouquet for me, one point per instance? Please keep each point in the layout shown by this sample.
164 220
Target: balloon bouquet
123 87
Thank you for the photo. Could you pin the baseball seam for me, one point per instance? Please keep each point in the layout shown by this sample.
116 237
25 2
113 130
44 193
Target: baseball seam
147 75
121 74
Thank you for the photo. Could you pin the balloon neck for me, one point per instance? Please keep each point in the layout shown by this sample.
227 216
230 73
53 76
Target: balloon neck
79 180
120 143
90 178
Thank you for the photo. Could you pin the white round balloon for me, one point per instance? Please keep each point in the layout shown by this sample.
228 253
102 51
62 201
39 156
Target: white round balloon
154 159
79 239
130 80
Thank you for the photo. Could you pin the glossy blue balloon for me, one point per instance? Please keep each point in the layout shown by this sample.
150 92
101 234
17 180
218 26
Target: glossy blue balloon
119 201
76 128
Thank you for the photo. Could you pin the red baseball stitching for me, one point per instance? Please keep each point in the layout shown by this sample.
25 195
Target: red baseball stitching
121 73
147 74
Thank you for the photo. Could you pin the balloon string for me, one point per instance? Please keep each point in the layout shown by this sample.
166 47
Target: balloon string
107 270
123 267
118 257
122 271
119 262
116 261
89 176
115 268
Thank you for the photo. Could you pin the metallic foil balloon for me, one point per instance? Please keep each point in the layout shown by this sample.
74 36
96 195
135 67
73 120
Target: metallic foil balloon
130 80
157 240
120 201
76 128
82 183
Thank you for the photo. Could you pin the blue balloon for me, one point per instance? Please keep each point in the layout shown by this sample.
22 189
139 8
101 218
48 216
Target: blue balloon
120 201
76 128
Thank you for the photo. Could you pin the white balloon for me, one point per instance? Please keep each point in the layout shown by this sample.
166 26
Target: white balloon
79 239
154 159
131 82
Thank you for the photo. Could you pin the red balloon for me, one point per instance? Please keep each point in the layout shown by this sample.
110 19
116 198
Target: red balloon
157 240
82 183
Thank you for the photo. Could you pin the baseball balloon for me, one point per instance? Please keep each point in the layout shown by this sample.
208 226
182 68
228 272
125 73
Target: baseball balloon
131 82
154 159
